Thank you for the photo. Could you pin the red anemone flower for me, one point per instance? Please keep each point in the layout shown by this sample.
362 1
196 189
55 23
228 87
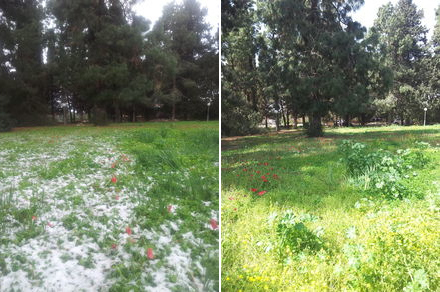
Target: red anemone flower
34 218
170 208
262 193
114 180
150 254
254 190
214 224
128 230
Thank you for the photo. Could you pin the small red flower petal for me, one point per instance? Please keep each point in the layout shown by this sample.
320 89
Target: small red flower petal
214 224
114 180
262 193
128 230
254 190
150 254
34 218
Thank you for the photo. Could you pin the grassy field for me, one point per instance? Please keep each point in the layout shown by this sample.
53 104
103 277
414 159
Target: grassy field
307 214
119 208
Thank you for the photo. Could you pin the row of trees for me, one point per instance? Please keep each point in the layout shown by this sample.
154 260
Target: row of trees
309 58
98 59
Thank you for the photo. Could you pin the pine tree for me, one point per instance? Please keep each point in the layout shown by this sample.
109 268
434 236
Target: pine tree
187 38
402 43
22 71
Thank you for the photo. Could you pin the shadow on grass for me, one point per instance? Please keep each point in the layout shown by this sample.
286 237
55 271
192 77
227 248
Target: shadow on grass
308 169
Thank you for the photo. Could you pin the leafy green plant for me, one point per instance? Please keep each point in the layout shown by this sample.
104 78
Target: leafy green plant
294 236
381 171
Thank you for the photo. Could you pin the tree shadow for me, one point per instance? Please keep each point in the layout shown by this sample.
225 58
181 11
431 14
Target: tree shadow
309 170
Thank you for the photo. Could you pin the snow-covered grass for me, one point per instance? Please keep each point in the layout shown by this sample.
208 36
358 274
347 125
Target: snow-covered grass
109 209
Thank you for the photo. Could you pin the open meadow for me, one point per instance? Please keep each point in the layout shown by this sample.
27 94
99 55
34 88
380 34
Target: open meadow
356 210
118 208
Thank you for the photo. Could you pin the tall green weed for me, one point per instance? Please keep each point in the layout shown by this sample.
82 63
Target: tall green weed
381 171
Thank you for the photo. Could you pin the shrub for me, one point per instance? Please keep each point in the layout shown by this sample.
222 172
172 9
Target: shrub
99 117
238 118
294 236
6 122
382 171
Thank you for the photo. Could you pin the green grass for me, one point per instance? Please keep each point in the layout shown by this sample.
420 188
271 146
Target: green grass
314 229
61 212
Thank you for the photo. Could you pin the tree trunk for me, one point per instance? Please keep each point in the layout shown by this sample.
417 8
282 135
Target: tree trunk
69 107
52 109
315 126
65 115
117 112
282 114
347 121
266 121
295 121
173 113
134 114
363 120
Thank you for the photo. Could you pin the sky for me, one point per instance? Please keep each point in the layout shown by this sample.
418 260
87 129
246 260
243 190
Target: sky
368 12
152 10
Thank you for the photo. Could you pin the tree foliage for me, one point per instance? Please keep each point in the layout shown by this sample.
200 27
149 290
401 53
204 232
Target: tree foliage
99 60
402 46
285 59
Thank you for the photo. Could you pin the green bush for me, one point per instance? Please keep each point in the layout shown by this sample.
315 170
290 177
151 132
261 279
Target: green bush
294 236
99 117
238 118
382 171
6 122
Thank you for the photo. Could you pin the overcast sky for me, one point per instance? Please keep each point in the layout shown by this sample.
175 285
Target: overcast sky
368 12
152 10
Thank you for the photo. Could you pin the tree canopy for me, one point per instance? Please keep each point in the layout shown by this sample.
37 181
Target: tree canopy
284 59
98 60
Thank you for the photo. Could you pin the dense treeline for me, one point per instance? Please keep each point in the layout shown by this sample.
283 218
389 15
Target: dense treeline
308 59
97 60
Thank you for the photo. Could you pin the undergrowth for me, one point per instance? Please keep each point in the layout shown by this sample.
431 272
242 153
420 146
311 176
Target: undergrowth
357 210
